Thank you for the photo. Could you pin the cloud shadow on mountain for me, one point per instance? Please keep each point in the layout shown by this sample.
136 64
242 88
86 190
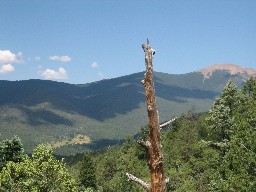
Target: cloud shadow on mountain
99 100
43 116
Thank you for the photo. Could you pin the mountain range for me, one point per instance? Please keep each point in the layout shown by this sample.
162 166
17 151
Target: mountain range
71 118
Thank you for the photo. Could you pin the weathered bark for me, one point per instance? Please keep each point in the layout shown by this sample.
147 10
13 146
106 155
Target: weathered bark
153 144
155 156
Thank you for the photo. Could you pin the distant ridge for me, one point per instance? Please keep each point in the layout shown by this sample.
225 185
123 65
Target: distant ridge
231 68
73 118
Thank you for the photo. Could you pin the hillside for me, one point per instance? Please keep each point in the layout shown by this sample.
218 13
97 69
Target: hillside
100 113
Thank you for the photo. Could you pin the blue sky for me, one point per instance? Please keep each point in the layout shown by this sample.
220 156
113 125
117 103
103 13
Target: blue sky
82 41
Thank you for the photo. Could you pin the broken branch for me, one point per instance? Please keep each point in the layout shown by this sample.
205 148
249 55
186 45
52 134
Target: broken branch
144 184
167 123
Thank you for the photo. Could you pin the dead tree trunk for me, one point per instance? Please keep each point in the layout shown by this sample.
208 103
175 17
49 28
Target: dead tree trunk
155 157
153 144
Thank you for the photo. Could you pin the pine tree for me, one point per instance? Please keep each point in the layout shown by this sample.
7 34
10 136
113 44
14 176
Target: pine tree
11 150
237 167
87 172
221 119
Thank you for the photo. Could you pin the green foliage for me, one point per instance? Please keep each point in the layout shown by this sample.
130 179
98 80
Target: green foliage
220 118
87 172
42 172
236 170
186 161
250 88
113 163
11 150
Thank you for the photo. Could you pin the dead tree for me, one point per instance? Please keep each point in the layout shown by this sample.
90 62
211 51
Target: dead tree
153 144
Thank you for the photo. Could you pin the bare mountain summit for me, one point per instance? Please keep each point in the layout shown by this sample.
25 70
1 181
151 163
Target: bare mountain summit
231 68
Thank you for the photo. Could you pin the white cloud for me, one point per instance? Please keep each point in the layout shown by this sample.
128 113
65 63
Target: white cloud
7 56
94 65
51 74
60 58
100 75
6 68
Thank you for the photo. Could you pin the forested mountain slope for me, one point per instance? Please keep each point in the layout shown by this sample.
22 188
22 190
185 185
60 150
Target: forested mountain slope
74 117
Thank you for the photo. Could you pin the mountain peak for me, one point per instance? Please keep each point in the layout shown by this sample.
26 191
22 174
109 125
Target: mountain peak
231 68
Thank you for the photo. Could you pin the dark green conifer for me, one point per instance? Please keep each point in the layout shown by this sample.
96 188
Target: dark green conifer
237 167
87 172
221 120
11 150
